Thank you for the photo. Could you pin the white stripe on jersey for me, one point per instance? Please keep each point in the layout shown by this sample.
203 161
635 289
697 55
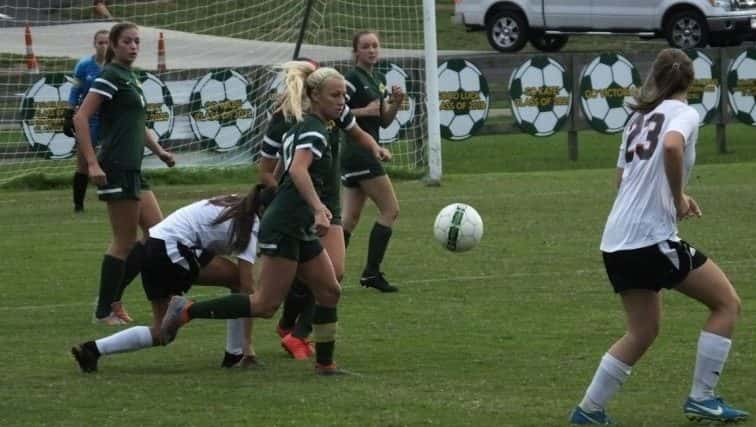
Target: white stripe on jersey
101 92
644 212
272 142
101 80
312 148
313 133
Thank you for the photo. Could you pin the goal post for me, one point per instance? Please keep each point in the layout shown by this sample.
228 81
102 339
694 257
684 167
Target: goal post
209 100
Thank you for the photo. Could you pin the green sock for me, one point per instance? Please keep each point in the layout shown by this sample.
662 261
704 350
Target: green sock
132 269
231 306
377 245
303 327
296 300
324 322
111 276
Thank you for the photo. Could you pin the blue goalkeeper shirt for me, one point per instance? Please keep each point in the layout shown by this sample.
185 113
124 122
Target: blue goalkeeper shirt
85 72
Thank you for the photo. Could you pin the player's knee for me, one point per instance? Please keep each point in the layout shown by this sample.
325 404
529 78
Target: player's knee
645 336
329 296
731 306
266 311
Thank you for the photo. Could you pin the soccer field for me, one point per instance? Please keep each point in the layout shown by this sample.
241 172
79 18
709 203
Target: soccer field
508 334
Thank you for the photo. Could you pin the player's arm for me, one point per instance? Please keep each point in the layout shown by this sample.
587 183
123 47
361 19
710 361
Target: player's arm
151 141
88 108
391 108
364 139
674 149
267 171
75 95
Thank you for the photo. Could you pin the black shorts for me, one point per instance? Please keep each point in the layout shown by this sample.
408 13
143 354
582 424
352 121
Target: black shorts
663 265
122 186
283 246
161 278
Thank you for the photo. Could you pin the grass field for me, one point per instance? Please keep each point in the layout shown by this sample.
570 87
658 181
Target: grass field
508 334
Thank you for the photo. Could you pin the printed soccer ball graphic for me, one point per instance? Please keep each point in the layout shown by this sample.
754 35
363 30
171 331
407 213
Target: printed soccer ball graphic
741 82
464 99
42 108
221 111
458 227
395 75
541 96
160 117
607 84
705 91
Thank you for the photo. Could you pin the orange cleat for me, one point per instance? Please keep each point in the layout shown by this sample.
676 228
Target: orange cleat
298 348
281 331
329 370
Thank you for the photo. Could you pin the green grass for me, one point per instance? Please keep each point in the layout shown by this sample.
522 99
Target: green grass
508 334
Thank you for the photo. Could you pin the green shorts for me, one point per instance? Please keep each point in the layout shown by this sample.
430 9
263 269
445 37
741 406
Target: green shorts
122 185
275 244
359 166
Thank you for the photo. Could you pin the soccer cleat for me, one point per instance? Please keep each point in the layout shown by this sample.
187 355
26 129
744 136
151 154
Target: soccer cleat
581 417
281 331
249 362
175 317
120 312
329 370
231 360
713 410
87 359
109 320
297 347
379 282
78 208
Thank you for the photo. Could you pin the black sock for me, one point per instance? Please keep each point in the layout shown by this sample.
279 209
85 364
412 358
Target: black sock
132 269
231 306
91 346
377 245
80 181
111 276
303 327
347 236
324 323
296 300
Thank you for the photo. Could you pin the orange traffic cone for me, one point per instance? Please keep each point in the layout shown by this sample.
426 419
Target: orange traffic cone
161 54
31 61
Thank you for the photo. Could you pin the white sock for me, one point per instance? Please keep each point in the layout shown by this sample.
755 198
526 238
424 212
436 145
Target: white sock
710 359
131 339
609 377
234 336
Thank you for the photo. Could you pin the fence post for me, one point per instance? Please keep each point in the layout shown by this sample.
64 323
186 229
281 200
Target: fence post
723 116
572 133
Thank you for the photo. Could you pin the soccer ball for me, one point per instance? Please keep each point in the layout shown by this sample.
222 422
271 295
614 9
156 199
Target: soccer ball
458 227
740 82
221 111
464 99
607 84
160 117
705 91
395 75
42 108
541 96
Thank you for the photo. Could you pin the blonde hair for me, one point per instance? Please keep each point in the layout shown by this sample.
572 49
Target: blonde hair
301 79
671 73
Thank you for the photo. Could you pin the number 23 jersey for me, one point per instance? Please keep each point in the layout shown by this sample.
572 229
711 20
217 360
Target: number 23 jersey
644 211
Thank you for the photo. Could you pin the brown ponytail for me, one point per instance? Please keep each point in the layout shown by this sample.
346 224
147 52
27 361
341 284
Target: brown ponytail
114 35
242 211
671 74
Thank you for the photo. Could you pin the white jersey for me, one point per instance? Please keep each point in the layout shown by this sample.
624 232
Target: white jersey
644 212
192 227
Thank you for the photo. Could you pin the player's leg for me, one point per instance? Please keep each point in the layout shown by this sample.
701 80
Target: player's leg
709 285
380 190
643 314
352 202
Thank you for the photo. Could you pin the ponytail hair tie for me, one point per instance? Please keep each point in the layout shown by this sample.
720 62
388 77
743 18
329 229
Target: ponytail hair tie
676 66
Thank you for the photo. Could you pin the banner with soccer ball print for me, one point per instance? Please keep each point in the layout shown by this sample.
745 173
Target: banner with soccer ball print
705 92
221 111
395 75
541 96
464 99
160 116
42 108
607 85
741 83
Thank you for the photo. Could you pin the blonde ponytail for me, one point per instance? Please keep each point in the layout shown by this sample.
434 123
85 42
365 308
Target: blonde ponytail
294 101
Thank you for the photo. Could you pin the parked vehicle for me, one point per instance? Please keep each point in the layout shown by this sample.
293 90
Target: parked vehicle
547 24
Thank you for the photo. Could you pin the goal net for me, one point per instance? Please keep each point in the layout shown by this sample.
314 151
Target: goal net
207 70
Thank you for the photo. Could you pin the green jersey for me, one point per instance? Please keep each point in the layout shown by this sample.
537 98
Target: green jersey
122 116
289 214
362 89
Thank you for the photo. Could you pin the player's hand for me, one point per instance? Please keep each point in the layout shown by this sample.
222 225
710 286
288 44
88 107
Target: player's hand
68 124
322 220
693 209
96 175
687 207
382 154
167 158
397 96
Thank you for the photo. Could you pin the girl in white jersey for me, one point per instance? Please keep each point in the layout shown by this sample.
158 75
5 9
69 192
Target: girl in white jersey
186 248
643 253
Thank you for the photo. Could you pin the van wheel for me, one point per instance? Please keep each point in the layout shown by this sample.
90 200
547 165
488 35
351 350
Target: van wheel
548 42
507 31
686 30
